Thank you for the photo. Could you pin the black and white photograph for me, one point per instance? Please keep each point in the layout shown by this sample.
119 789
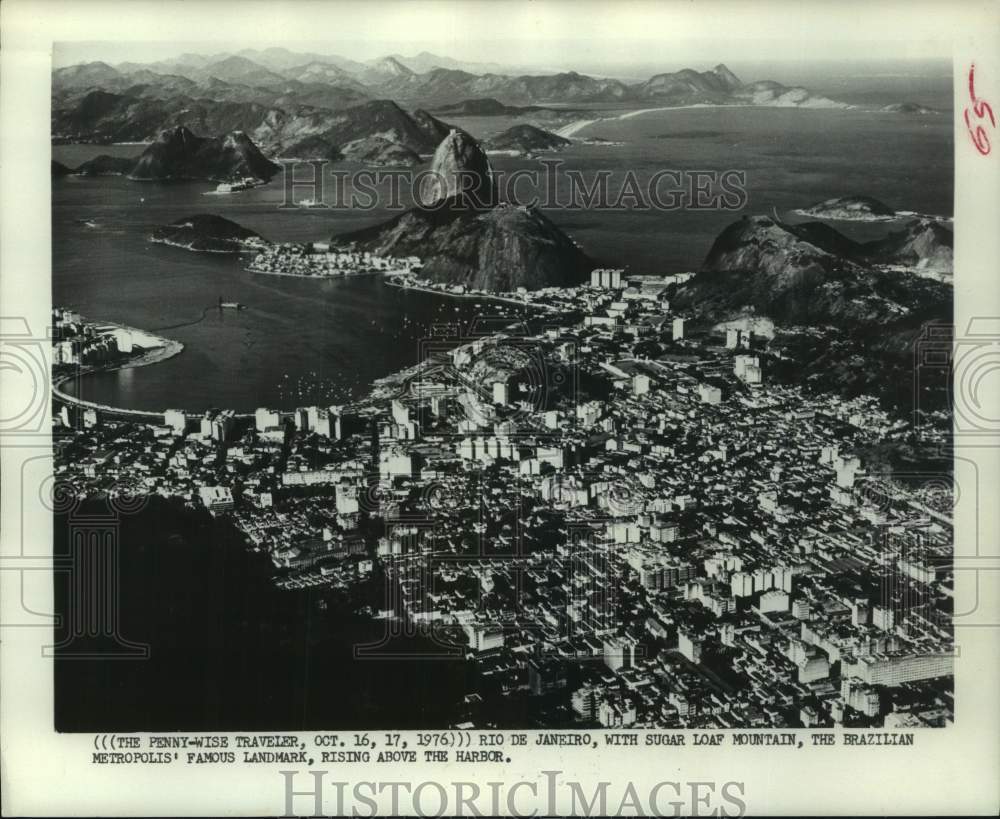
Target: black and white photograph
584 373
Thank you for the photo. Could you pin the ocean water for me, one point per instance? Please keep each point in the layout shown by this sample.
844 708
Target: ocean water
300 342
309 341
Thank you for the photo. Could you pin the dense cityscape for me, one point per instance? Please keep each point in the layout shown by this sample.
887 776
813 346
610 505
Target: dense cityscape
608 508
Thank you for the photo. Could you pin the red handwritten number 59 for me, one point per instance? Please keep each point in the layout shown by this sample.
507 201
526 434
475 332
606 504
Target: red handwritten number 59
981 109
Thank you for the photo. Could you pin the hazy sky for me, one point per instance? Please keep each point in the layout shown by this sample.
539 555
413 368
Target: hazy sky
616 37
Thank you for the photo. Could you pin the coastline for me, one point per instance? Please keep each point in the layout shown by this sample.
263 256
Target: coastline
898 216
479 296
168 348
390 273
150 355
568 131
243 247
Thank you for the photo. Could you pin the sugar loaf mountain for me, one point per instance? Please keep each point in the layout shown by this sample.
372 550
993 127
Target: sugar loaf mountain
463 236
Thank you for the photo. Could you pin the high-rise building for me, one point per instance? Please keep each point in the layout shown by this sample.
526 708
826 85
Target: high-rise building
176 420
500 393
741 584
216 498
584 701
678 329
265 418
709 394
860 612
689 645
884 618
896 669
205 425
773 600
605 278
619 653
400 412
747 368
304 419
800 609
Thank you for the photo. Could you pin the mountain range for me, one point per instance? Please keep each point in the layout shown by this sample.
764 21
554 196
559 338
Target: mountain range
314 79
314 106
132 102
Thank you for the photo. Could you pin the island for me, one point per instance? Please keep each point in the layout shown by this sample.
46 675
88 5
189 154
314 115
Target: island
850 209
208 233
524 140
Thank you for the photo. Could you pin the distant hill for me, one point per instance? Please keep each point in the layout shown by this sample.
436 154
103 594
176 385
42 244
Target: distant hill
483 107
105 165
721 86
909 108
312 147
324 73
278 58
525 139
811 274
178 154
85 75
386 70
206 233
240 70
923 244
381 152
419 133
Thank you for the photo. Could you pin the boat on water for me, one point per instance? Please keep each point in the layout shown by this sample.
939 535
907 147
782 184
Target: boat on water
231 305
237 185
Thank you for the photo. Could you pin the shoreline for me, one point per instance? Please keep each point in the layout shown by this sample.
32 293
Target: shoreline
479 296
152 355
323 277
191 249
171 348
898 216
569 130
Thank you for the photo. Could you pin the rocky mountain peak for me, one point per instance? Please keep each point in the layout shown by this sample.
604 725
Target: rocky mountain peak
729 79
461 170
